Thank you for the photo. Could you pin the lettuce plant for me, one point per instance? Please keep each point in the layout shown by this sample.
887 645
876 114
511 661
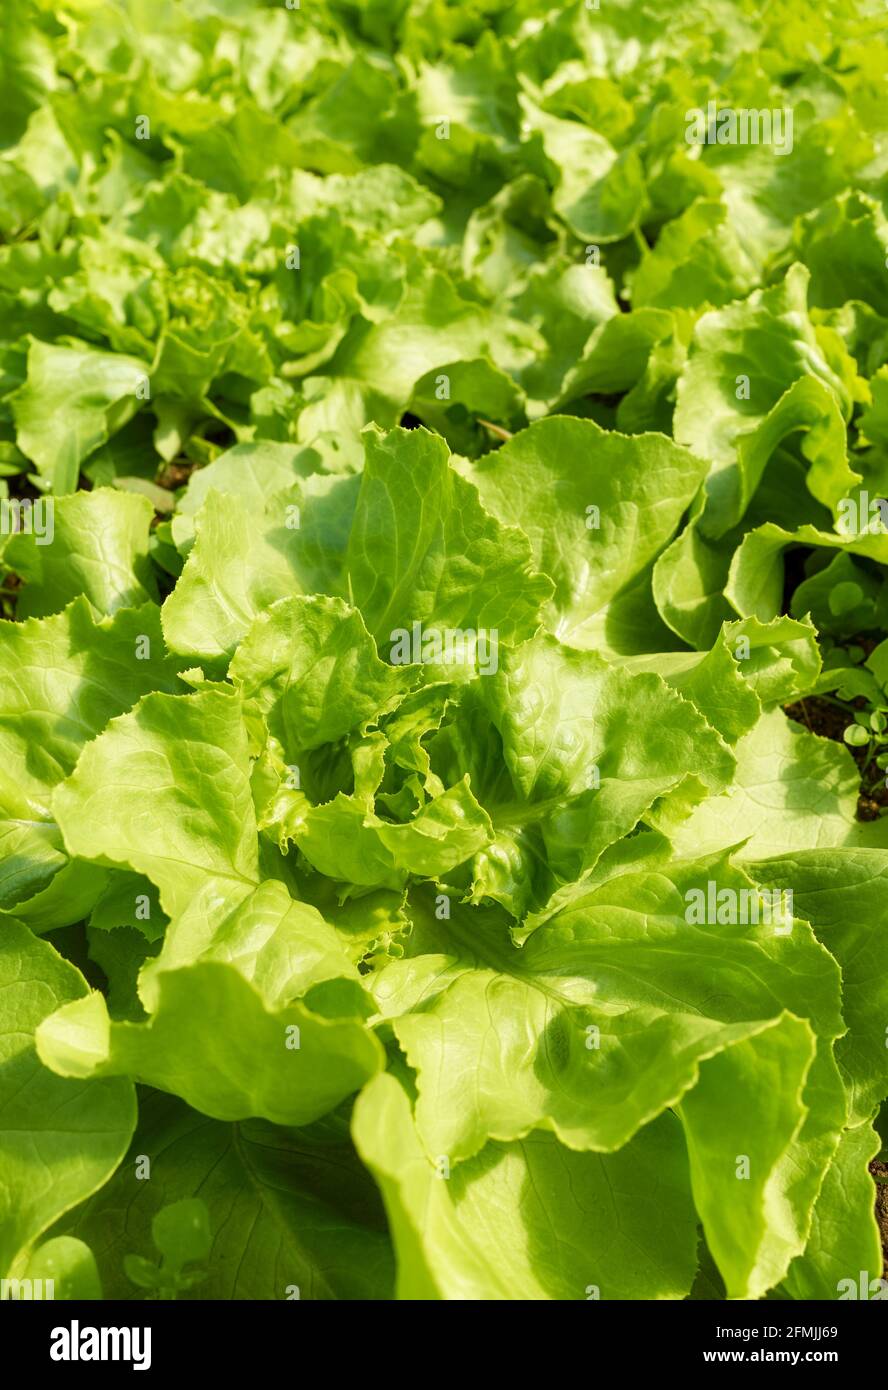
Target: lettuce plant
438 445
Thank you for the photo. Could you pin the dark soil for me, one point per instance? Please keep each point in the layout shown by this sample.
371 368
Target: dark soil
176 474
821 717
880 1171
829 721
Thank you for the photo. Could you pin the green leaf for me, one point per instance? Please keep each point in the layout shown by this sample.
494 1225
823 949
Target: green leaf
856 736
688 581
841 895
579 1031
282 946
575 783
232 574
755 582
310 667
66 677
182 1233
844 243
253 473
792 790
432 325
28 72
842 597
212 1040
142 1272
744 1176
470 404
201 837
756 373
292 1213
844 1237
600 194
751 666
698 260
74 399
423 549
530 1220
69 1264
343 841
99 547
441 494
61 1139
597 508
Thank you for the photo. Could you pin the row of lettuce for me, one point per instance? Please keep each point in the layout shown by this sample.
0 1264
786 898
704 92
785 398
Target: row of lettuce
400 810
